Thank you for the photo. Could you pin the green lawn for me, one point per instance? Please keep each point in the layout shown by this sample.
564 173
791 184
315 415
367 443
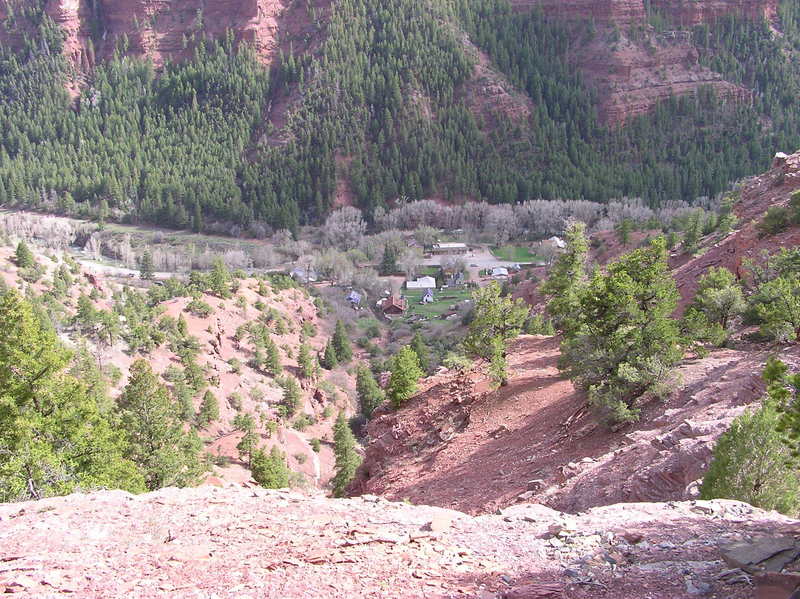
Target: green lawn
443 299
514 253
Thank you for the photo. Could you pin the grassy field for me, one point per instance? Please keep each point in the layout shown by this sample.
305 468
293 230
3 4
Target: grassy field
443 299
514 253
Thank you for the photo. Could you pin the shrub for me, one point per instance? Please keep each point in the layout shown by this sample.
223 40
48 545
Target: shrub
302 422
199 308
775 221
751 463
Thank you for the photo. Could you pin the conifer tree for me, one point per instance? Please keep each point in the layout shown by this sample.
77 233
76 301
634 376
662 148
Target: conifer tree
567 278
341 343
146 266
291 399
329 359
157 443
209 410
388 264
272 360
306 361
404 377
55 435
347 458
370 395
270 469
247 445
626 341
421 349
496 320
752 461
182 395
219 279
23 256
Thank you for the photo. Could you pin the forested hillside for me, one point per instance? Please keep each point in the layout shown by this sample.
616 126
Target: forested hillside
381 107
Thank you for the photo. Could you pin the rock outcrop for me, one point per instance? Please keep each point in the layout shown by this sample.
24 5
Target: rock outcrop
632 76
251 542
618 12
685 13
160 29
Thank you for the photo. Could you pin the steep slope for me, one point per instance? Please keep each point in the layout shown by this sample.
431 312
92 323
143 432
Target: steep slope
157 29
224 351
458 444
239 542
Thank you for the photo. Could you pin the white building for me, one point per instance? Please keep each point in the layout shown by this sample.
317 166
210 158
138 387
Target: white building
422 283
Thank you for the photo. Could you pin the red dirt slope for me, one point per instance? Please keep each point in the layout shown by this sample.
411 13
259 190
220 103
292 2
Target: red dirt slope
460 446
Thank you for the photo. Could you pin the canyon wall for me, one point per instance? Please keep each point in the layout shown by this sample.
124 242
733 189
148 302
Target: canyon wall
686 13
620 12
160 29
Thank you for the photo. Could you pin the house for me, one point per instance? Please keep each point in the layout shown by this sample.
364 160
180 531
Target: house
392 306
449 249
455 280
499 272
355 299
422 283
428 297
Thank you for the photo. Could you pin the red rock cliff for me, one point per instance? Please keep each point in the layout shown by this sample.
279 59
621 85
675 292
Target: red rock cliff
621 12
686 13
161 29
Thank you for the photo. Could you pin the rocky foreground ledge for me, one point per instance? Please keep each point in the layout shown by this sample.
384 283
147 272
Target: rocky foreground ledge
251 542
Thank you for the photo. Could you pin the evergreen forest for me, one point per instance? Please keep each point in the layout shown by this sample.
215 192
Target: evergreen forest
381 104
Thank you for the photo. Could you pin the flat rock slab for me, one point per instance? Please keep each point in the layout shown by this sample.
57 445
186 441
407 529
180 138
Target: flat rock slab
765 554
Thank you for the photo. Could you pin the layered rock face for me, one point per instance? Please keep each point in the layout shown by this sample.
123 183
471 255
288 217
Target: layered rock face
620 12
159 29
633 76
686 13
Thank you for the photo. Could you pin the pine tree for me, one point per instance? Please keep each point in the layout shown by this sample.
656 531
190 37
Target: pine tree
157 443
496 320
404 377
270 470
624 229
146 266
306 361
751 463
23 256
329 359
272 360
423 354
341 343
209 410
347 458
370 395
182 394
627 341
247 445
219 279
388 264
291 399
566 278
55 435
